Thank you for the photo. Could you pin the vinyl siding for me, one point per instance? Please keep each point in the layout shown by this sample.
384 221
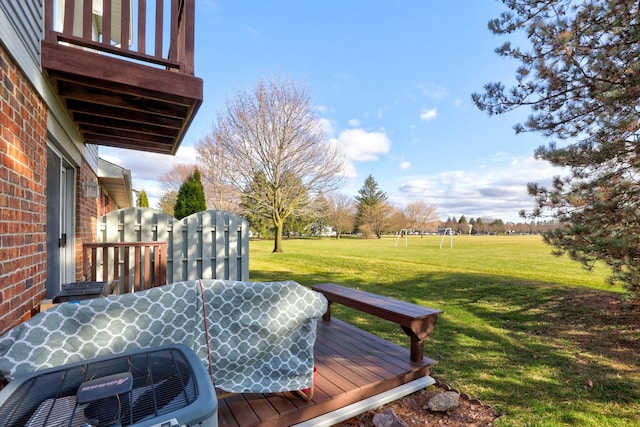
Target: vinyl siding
27 16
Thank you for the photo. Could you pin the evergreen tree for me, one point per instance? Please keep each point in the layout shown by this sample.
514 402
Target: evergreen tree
143 201
190 197
498 226
463 225
372 210
580 75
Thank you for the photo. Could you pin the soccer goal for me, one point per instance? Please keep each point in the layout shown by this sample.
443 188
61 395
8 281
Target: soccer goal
449 232
404 232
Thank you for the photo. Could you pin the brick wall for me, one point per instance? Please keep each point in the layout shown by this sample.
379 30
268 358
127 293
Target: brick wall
23 214
87 211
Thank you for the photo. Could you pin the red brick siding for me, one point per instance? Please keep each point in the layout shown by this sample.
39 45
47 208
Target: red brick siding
23 213
87 210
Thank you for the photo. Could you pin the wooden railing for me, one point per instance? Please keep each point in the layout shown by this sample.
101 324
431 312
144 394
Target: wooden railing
133 266
164 36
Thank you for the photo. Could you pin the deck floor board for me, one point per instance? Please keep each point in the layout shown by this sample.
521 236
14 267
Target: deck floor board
351 364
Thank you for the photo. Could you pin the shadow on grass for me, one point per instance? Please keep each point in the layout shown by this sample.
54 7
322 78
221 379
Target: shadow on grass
540 353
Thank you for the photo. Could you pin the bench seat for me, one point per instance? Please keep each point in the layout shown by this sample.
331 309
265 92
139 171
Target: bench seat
415 320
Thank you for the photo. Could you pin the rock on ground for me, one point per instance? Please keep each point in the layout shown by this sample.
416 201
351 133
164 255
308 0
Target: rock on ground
443 402
388 418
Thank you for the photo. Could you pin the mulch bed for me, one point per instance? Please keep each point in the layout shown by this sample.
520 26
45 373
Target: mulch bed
414 411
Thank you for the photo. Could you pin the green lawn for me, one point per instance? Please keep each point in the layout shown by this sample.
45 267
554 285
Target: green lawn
535 336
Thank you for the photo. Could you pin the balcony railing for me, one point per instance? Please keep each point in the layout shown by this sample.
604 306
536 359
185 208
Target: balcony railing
159 32
132 266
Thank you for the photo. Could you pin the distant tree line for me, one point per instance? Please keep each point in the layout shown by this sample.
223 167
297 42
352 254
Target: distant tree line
487 225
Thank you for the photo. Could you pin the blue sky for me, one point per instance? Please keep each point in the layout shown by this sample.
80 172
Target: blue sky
392 81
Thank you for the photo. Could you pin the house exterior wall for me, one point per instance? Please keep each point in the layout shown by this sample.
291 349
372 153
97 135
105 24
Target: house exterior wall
26 16
23 160
87 211
31 120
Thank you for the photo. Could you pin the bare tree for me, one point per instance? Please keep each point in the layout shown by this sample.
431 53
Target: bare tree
420 214
375 219
341 213
173 180
398 221
276 150
167 202
215 168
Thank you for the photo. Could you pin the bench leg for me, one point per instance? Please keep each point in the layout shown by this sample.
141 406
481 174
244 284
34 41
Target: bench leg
417 345
327 315
418 332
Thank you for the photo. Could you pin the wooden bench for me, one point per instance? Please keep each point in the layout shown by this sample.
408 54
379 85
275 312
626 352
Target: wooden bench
415 320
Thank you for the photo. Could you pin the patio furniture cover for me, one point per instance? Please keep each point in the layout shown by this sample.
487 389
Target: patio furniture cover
253 337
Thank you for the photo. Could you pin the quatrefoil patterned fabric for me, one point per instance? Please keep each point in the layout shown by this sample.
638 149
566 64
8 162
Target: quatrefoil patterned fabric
258 336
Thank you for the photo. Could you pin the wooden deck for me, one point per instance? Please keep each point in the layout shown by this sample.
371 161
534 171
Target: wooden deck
352 365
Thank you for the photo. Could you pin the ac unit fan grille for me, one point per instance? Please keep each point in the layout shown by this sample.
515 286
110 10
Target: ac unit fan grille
163 381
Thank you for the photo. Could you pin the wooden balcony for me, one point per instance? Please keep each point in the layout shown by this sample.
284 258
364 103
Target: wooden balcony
124 69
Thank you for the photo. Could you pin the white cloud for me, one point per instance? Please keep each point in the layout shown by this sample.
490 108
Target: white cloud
354 123
358 145
418 186
341 76
349 170
428 115
498 192
327 126
147 168
405 165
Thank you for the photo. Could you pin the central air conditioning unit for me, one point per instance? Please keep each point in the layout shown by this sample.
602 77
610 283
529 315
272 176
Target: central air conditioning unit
158 387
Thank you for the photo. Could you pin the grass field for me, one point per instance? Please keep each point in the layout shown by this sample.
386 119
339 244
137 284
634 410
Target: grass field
536 336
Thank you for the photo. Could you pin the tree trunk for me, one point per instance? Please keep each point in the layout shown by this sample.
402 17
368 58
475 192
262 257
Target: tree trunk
277 246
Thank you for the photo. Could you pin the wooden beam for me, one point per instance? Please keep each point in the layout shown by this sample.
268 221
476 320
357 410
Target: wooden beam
83 110
120 100
118 71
